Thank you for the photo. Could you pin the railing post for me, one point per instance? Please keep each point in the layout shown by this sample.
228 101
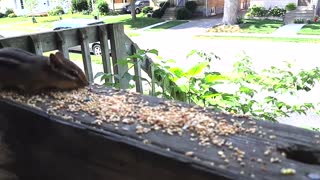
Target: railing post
37 44
103 37
86 54
137 69
119 52
62 44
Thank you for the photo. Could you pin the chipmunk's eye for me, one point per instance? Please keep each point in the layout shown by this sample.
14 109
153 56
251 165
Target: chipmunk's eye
73 73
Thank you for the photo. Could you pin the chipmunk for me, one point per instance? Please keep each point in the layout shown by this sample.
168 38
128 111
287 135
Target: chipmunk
32 73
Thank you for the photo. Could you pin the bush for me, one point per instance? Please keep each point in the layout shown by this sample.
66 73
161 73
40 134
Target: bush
56 11
184 13
8 11
103 7
257 11
291 6
164 5
240 20
80 5
299 21
157 13
191 6
12 15
147 9
277 12
2 15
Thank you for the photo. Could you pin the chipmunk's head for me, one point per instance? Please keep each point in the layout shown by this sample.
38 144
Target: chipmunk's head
67 75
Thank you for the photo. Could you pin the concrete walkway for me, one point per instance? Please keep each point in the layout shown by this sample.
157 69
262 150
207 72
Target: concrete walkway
289 29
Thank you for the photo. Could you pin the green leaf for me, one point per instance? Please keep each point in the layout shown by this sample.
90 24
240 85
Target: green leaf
197 69
153 51
98 74
192 52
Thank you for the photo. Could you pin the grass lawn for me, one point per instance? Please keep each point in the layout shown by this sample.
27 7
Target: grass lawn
251 26
252 38
260 26
141 21
310 29
166 25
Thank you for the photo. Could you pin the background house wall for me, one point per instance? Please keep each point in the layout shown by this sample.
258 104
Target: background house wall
272 3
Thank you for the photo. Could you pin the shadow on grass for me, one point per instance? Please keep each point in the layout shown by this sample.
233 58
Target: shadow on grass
140 22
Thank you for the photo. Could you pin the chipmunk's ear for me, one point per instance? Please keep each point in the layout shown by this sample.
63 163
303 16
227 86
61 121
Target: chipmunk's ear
60 55
55 61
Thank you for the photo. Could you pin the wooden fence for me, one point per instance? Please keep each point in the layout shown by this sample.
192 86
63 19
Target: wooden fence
111 37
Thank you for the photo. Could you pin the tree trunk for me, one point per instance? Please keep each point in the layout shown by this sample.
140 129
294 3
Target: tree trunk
230 14
133 12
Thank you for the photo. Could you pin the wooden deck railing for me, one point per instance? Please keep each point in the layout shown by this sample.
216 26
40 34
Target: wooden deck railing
111 37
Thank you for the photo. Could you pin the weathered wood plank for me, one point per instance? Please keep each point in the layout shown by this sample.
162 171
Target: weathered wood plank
137 69
62 46
161 154
119 52
86 58
37 44
105 52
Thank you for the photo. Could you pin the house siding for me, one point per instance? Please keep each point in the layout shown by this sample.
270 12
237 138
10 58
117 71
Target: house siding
272 3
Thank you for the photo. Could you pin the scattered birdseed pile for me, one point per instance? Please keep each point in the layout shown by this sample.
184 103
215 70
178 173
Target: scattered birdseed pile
111 106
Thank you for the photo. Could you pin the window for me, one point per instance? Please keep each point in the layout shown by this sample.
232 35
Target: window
22 5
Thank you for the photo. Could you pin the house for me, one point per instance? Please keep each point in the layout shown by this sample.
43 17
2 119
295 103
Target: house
282 3
208 7
19 6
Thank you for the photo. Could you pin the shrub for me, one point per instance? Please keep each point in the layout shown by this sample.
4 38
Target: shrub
2 15
157 13
240 20
184 13
147 9
103 7
191 6
8 11
299 21
56 11
277 12
164 5
12 15
257 11
80 5
291 6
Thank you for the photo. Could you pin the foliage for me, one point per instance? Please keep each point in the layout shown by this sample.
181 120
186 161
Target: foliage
184 13
164 4
58 10
191 6
31 4
242 92
277 12
298 21
258 11
103 7
291 6
2 15
12 15
8 11
147 9
240 20
157 13
79 5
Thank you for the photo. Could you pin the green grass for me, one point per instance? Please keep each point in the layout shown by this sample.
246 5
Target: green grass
252 38
260 26
140 22
166 25
310 29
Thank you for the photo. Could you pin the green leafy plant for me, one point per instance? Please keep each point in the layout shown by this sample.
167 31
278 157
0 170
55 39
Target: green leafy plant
184 13
240 20
242 92
298 21
58 10
191 6
157 13
8 11
277 12
291 6
79 5
12 15
103 7
147 9
258 11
